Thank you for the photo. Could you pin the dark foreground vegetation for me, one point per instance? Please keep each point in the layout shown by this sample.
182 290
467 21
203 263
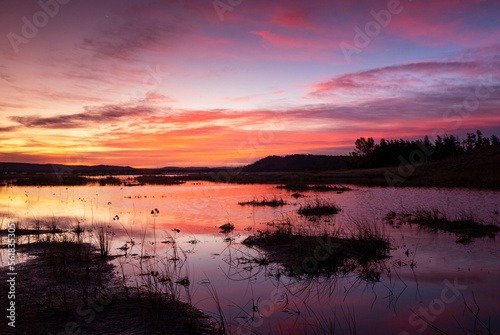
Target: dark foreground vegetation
328 254
465 227
69 288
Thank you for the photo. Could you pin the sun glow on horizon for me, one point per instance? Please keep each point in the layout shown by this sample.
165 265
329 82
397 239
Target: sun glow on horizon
171 84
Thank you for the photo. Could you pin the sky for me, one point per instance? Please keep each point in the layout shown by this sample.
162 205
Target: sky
226 82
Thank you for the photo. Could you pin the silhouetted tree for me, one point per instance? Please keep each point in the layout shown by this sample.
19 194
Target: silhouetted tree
479 141
367 153
363 152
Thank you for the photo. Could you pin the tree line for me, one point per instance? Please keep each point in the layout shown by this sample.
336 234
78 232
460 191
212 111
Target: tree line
368 154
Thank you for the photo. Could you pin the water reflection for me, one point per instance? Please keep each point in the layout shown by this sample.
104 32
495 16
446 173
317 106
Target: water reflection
180 250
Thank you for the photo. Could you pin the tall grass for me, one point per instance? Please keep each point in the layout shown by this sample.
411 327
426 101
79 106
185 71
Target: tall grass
103 237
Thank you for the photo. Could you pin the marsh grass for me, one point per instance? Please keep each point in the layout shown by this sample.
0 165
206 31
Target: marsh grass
66 275
330 253
159 280
319 207
103 237
275 202
316 188
465 226
35 231
109 180
62 274
158 180
226 228
221 320
51 180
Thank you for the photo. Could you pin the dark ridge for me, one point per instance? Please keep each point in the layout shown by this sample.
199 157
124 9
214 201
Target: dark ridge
59 169
295 163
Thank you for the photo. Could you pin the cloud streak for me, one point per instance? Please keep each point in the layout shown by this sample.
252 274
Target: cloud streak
413 76
81 120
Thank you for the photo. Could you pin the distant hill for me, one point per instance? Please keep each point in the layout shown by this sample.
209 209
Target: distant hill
291 163
294 163
28 168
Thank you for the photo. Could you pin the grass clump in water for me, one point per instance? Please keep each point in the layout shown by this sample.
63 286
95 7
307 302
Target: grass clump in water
157 180
51 180
329 253
315 188
264 202
319 207
226 228
109 180
466 226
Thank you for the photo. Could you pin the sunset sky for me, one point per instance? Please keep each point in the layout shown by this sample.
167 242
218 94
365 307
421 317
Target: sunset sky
226 82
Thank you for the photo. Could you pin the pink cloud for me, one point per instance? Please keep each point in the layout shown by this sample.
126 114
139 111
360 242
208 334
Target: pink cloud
425 76
158 97
252 97
293 18
278 40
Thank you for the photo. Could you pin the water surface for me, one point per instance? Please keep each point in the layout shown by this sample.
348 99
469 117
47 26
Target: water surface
262 299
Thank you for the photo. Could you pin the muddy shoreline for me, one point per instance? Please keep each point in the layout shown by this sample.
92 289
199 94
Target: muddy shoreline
67 288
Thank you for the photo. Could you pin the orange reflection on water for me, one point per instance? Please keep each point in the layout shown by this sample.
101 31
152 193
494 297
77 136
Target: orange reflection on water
198 209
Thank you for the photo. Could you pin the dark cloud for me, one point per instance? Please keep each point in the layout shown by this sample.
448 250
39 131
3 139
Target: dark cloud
5 77
97 115
27 157
8 129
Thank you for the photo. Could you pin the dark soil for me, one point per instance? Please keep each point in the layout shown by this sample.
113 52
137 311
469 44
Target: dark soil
67 288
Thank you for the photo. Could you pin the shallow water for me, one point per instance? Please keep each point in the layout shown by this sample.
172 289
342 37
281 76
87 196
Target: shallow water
263 299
